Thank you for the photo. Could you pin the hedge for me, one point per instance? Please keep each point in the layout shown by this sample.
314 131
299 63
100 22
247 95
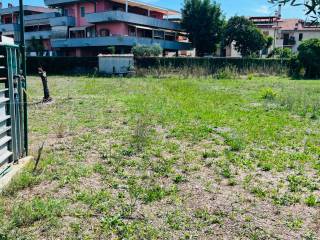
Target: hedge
62 65
214 64
81 65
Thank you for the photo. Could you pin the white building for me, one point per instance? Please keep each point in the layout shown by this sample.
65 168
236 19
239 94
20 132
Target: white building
286 33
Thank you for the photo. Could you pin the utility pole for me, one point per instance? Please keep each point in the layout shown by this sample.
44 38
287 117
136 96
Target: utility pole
24 73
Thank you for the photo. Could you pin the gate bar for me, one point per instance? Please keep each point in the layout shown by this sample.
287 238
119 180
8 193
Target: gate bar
24 73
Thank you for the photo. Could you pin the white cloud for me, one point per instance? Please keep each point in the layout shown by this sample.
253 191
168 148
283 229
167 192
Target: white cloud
263 9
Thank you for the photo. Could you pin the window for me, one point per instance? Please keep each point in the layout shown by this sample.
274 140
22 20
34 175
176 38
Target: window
158 34
65 12
104 32
300 36
132 31
82 11
265 51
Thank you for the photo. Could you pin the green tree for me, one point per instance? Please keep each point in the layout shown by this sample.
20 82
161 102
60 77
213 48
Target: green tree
309 57
203 21
36 45
249 40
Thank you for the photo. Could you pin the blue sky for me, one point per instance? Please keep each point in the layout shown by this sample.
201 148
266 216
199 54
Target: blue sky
230 7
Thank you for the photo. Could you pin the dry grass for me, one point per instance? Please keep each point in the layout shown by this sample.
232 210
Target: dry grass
145 158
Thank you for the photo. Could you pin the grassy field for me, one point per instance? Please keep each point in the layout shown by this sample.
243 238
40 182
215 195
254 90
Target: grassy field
170 158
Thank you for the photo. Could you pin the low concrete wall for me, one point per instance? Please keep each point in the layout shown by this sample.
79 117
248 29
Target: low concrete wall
116 63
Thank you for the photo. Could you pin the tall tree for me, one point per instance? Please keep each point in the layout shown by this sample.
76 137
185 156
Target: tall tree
203 20
248 38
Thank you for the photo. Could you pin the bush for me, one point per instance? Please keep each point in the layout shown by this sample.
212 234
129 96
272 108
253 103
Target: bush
229 72
268 94
111 50
147 51
309 57
296 68
281 53
62 65
211 66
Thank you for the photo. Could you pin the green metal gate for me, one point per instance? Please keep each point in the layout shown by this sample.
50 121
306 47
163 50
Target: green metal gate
12 125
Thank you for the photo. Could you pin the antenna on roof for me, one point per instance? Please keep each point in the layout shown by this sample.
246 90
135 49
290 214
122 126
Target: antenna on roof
305 10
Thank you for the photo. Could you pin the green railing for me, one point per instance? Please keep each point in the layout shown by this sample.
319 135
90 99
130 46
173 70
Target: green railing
13 129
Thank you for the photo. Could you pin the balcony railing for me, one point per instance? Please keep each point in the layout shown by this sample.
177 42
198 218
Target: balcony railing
60 32
41 16
63 21
11 27
120 16
38 35
39 19
118 41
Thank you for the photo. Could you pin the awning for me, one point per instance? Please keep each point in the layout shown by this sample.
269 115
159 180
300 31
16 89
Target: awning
83 28
134 3
155 29
141 27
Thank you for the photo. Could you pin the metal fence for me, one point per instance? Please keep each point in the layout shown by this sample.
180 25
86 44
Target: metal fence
12 123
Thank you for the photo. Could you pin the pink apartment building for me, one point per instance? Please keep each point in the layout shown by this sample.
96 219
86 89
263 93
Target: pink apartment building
89 27
36 21
99 24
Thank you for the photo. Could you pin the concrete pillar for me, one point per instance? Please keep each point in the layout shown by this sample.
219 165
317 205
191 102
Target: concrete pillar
127 5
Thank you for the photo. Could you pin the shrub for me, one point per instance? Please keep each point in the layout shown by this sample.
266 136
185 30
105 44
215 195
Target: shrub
228 72
296 68
111 50
309 56
268 94
311 201
281 53
211 66
62 65
147 51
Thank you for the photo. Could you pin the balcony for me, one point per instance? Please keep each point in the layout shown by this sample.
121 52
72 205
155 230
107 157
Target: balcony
60 32
37 19
63 21
118 41
12 27
120 16
291 41
38 35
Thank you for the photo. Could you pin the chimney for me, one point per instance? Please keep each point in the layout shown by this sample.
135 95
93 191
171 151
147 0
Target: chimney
10 5
0 5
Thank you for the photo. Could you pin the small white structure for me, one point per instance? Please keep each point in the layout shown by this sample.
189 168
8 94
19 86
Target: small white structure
116 63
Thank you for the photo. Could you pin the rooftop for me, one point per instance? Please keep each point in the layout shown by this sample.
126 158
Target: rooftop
10 10
291 24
